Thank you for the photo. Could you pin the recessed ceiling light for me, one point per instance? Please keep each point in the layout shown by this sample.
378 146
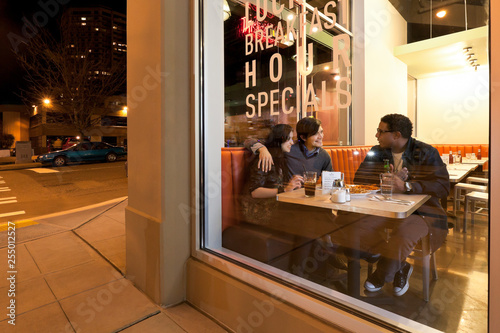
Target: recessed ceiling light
441 13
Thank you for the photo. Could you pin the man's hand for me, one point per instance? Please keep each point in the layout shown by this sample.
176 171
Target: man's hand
399 179
294 183
265 160
403 174
398 185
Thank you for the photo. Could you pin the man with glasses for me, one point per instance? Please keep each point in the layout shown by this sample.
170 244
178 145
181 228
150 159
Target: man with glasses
418 169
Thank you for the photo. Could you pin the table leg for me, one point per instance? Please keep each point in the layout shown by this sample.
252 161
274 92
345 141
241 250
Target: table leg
353 278
466 211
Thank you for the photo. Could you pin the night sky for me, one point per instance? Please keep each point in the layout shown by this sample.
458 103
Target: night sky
11 21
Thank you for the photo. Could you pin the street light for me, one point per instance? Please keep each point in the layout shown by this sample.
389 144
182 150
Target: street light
46 101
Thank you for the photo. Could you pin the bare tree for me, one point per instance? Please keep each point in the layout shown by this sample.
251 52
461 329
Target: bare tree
75 80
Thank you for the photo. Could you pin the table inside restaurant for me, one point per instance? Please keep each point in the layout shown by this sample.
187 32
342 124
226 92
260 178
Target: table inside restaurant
458 172
361 204
480 162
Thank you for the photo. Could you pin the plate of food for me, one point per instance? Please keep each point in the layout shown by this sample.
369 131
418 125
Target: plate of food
360 190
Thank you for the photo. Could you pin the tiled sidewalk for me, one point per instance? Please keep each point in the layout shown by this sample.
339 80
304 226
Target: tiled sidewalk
71 280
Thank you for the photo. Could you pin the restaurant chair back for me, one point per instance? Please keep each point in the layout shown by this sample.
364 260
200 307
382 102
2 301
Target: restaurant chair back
471 201
460 190
477 180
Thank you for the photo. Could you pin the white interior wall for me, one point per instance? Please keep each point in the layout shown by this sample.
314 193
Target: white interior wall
385 76
454 108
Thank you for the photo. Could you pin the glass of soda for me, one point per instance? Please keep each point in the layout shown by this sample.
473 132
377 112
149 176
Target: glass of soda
310 178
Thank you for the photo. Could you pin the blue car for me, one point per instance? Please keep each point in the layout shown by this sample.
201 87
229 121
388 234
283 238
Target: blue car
83 152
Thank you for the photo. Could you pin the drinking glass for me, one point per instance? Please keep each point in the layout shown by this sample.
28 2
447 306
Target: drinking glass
386 182
468 156
310 178
473 156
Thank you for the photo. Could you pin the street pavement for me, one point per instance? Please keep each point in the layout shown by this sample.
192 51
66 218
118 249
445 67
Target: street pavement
68 275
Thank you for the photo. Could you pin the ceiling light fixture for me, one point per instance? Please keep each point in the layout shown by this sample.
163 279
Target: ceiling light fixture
469 57
441 13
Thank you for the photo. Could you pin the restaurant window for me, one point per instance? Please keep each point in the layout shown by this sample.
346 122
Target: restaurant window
265 63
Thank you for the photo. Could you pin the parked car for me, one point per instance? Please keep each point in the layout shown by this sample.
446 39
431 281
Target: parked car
83 152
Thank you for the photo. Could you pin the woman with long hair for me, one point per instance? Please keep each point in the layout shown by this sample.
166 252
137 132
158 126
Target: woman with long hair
264 186
261 207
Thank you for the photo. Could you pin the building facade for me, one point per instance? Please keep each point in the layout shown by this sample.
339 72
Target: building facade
172 252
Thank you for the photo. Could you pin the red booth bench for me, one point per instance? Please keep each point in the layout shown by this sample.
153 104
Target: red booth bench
269 245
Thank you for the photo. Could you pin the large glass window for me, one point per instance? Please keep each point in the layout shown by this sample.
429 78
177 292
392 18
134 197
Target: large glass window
336 68
280 66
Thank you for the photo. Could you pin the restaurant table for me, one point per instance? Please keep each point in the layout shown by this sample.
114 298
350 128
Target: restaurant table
458 172
480 162
361 204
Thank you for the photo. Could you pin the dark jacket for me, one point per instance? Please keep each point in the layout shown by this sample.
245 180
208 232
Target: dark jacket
427 174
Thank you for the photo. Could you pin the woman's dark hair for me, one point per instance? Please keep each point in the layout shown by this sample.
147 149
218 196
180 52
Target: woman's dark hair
307 127
279 134
398 123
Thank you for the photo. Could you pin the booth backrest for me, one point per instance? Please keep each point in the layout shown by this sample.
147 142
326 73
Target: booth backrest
234 163
347 159
344 159
467 148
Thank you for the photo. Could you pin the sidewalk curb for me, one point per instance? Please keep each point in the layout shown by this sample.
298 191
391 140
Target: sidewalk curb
14 166
79 209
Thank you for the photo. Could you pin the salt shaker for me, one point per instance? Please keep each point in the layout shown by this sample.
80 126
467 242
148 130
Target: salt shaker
347 194
339 195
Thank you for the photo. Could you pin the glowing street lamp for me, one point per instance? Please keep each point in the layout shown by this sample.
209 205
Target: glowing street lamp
46 101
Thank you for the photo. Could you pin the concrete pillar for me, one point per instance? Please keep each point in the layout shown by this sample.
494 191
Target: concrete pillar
157 236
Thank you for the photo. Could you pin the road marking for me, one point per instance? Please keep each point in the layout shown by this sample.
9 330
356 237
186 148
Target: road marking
19 224
43 170
21 212
2 181
7 202
9 198
4 189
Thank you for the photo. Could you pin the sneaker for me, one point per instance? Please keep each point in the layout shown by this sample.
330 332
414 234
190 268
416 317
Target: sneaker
402 279
373 283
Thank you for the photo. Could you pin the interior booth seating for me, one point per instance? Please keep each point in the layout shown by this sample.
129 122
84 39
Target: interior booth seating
465 149
275 247
264 244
